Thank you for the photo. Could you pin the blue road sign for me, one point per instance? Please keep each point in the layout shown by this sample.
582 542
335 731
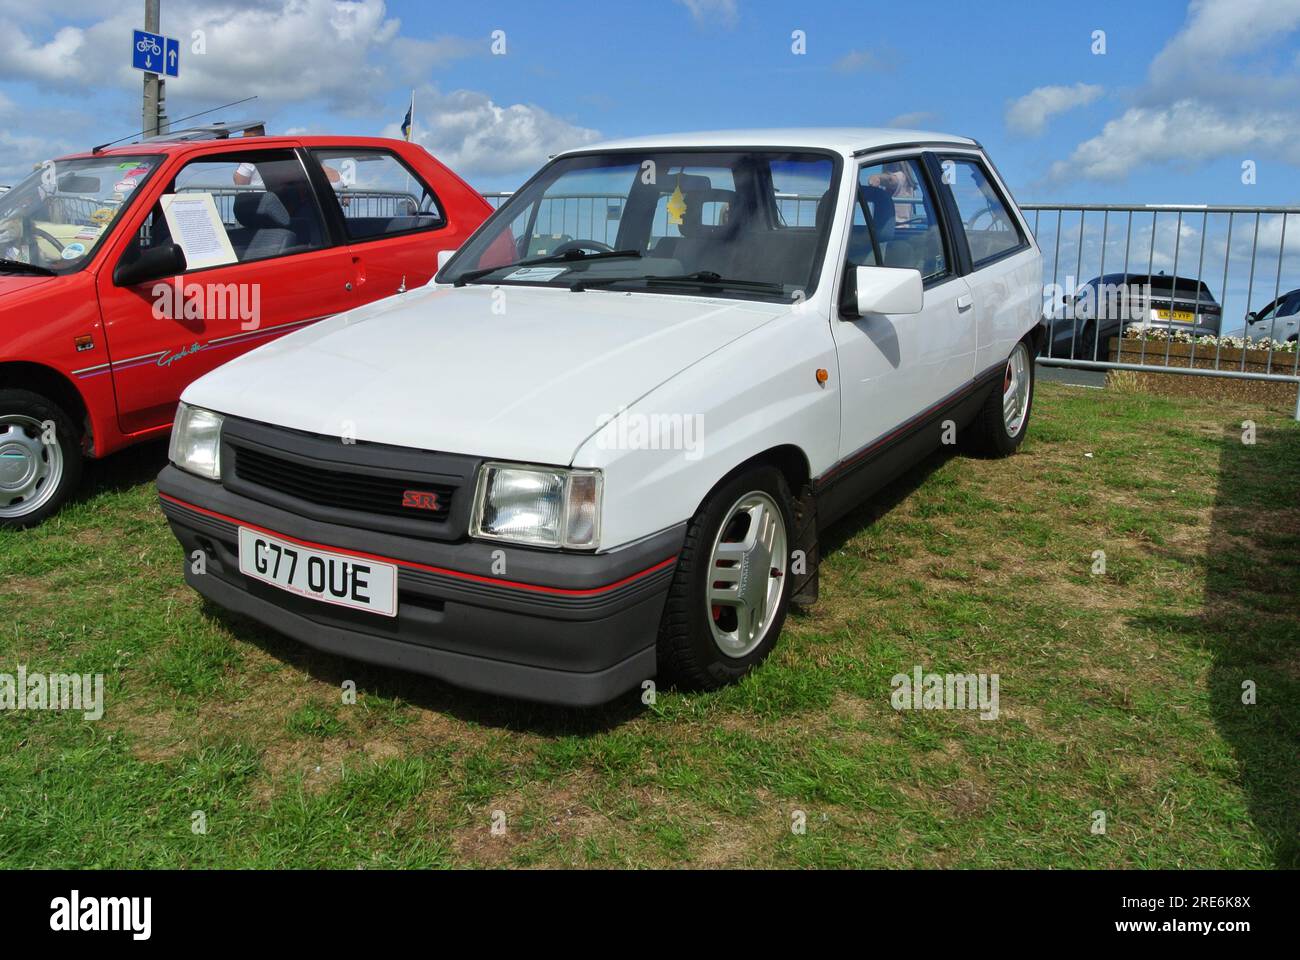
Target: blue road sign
172 57
147 51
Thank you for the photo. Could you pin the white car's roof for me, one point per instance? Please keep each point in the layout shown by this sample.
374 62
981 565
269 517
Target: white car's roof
844 140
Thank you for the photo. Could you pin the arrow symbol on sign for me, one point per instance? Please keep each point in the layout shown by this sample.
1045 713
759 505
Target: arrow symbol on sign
148 61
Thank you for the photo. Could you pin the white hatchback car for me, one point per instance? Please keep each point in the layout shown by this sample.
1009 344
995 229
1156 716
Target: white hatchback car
601 445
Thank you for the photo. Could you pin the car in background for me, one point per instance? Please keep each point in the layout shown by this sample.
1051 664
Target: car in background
1279 321
105 316
1105 306
624 474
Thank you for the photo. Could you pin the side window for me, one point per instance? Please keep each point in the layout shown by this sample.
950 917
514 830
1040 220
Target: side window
991 229
264 201
894 221
378 194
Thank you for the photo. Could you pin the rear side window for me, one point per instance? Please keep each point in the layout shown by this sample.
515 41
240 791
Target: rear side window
378 194
894 221
991 230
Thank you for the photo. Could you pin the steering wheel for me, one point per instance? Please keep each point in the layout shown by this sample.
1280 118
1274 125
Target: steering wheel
33 248
39 234
581 245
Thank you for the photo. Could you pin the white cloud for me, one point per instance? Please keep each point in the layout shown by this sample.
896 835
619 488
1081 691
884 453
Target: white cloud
1029 114
856 60
1184 134
725 12
19 153
1218 30
1215 90
476 137
342 52
911 121
24 59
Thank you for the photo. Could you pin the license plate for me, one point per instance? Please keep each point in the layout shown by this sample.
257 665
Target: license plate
338 578
1182 316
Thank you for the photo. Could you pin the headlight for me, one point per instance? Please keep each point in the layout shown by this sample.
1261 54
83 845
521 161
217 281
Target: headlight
545 506
196 441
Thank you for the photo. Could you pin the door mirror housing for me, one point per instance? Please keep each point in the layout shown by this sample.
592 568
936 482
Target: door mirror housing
887 290
166 260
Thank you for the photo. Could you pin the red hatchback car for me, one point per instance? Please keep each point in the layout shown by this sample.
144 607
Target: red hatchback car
127 272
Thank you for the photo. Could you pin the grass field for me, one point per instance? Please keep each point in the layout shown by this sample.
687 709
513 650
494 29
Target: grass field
1119 693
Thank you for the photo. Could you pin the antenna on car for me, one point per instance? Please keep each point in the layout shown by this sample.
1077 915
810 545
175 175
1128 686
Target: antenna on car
190 117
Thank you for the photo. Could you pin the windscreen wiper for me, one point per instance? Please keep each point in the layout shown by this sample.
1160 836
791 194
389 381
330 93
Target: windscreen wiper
19 266
567 257
700 278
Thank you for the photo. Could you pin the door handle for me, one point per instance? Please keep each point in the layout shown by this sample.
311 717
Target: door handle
965 302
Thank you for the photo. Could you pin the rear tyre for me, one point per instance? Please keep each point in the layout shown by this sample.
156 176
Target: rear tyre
1089 349
999 428
730 593
40 458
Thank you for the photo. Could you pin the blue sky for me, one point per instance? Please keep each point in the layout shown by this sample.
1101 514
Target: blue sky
1183 95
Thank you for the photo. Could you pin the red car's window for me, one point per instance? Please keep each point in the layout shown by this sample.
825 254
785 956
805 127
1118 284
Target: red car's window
378 195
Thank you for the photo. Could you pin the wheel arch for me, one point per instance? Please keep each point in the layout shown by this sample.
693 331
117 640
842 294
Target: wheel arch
788 458
793 464
52 384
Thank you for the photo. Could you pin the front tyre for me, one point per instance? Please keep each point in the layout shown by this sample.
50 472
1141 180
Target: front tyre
999 428
729 597
40 458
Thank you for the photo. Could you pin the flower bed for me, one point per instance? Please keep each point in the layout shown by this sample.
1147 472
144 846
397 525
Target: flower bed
1183 350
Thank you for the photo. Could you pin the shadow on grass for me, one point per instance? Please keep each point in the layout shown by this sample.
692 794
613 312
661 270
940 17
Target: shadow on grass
883 501
123 470
430 693
1250 623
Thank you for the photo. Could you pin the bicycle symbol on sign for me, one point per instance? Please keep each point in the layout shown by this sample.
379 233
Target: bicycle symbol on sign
149 45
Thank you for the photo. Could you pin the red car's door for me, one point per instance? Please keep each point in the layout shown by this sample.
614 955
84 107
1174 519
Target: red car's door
396 211
285 274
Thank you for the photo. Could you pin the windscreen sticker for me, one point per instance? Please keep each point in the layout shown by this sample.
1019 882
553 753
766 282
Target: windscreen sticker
73 250
676 207
536 273
124 186
102 215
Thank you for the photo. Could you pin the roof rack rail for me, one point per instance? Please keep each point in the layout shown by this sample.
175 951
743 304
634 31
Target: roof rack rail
212 131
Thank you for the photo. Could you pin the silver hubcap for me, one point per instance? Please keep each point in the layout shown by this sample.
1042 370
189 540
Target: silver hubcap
1015 390
746 572
30 469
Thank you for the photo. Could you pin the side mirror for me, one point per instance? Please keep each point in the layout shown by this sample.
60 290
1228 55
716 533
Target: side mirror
444 256
1252 317
888 290
155 263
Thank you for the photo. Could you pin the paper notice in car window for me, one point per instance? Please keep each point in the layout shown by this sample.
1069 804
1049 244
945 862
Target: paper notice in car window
536 274
196 226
